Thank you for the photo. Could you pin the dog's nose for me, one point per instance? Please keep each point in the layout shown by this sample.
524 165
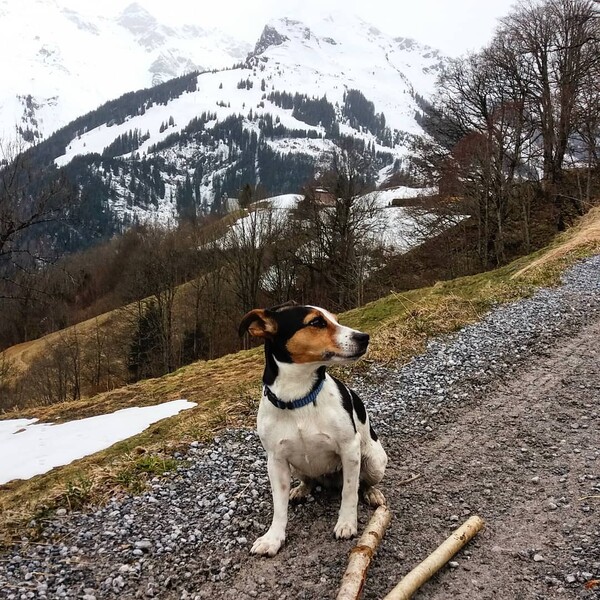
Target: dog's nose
361 338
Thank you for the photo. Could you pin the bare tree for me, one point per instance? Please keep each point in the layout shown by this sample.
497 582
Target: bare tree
588 130
281 279
245 250
341 226
154 275
29 199
55 375
216 296
103 358
558 42
518 104
486 95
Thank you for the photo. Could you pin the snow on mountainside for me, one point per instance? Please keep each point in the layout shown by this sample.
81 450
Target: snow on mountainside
343 52
223 126
181 148
60 64
291 57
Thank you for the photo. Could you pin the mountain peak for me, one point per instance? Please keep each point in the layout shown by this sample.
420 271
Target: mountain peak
269 37
136 18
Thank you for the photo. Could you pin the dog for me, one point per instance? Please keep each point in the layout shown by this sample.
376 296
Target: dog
311 425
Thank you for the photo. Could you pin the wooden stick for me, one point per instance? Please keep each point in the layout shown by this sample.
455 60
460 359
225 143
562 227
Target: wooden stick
411 479
436 560
362 553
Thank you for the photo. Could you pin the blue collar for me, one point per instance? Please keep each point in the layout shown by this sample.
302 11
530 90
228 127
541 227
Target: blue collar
311 397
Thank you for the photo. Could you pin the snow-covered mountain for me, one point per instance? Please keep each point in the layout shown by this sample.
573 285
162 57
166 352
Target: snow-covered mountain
291 57
180 147
59 64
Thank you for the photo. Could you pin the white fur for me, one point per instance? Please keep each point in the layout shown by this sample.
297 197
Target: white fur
313 441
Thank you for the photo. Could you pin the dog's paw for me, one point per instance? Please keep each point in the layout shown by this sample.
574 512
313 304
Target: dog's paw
345 529
374 497
300 492
267 545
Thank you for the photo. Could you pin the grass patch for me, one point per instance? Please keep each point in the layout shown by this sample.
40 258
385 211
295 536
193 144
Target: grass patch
78 492
134 476
227 389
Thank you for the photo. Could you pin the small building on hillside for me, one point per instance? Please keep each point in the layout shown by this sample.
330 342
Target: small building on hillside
324 197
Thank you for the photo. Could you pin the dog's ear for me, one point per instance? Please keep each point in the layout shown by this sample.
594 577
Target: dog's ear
259 324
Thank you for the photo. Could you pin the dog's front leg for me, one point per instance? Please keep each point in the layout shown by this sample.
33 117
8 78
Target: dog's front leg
280 477
346 526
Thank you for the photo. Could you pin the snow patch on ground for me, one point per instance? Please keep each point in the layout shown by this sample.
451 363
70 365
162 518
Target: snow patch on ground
29 448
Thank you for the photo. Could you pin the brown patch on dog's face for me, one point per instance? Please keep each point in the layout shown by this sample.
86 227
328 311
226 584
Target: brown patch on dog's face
304 334
315 341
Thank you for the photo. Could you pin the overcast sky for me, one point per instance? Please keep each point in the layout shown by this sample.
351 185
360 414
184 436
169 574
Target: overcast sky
453 26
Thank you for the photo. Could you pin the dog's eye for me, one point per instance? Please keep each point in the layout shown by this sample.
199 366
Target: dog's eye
318 322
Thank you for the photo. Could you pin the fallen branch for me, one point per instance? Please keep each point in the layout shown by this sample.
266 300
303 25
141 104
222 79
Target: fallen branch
589 498
411 479
361 555
436 560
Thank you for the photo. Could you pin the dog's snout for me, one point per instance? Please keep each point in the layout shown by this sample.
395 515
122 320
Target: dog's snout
361 338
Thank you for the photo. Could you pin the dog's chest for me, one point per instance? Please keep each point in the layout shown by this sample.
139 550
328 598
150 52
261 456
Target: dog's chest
309 439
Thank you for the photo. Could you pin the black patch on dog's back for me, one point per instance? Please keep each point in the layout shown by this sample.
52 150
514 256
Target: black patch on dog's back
359 407
346 400
372 432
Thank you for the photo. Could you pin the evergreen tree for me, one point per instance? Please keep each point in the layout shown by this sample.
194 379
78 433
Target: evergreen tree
145 349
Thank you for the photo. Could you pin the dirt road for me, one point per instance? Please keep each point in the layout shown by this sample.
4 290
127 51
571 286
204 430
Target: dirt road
524 458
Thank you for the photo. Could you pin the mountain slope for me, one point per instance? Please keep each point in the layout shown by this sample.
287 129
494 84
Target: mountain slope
291 57
66 63
178 149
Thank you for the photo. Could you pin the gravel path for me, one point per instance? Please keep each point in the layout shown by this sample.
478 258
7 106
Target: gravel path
500 419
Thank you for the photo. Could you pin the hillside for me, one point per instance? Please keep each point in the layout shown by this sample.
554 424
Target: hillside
226 389
182 147
394 230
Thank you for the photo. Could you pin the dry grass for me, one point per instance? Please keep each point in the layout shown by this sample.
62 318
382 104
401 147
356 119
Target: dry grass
22 355
442 309
581 240
227 389
405 335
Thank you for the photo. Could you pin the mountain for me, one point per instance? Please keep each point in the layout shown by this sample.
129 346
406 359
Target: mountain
65 63
177 149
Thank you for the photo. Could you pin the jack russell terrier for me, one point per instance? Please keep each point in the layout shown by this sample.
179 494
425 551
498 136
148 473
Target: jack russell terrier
311 425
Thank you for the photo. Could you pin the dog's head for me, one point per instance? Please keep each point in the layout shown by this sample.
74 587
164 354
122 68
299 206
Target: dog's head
305 334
